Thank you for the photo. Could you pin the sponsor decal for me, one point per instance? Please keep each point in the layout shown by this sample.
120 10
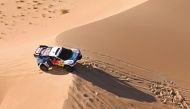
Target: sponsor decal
58 62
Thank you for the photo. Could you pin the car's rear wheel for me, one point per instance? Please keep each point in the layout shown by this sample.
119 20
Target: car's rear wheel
44 68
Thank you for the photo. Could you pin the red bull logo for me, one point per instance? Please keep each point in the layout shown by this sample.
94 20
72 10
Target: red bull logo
58 62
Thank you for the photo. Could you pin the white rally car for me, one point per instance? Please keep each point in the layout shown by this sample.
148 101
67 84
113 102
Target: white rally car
56 56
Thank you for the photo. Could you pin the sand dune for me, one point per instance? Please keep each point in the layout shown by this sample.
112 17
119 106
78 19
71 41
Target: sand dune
145 33
152 35
25 25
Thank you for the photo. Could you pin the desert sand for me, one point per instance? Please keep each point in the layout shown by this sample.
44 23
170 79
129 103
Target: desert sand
135 54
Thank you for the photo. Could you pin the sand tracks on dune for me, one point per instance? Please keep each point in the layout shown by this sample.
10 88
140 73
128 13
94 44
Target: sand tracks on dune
104 83
99 84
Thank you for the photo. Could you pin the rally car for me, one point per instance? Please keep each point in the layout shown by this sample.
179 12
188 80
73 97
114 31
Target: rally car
47 57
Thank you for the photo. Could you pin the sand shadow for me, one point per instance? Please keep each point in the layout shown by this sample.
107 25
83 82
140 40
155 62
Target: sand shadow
107 82
111 84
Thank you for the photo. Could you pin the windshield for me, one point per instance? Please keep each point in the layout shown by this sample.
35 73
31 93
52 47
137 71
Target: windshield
65 54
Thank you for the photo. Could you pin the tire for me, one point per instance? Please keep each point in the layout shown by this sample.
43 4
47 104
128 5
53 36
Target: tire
68 68
44 68
80 57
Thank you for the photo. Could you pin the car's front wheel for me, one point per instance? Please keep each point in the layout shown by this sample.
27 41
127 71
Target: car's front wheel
80 57
44 68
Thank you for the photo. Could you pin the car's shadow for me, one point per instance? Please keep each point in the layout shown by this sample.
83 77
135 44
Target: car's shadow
109 83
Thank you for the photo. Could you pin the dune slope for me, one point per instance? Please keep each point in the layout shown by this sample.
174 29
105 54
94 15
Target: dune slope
152 35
